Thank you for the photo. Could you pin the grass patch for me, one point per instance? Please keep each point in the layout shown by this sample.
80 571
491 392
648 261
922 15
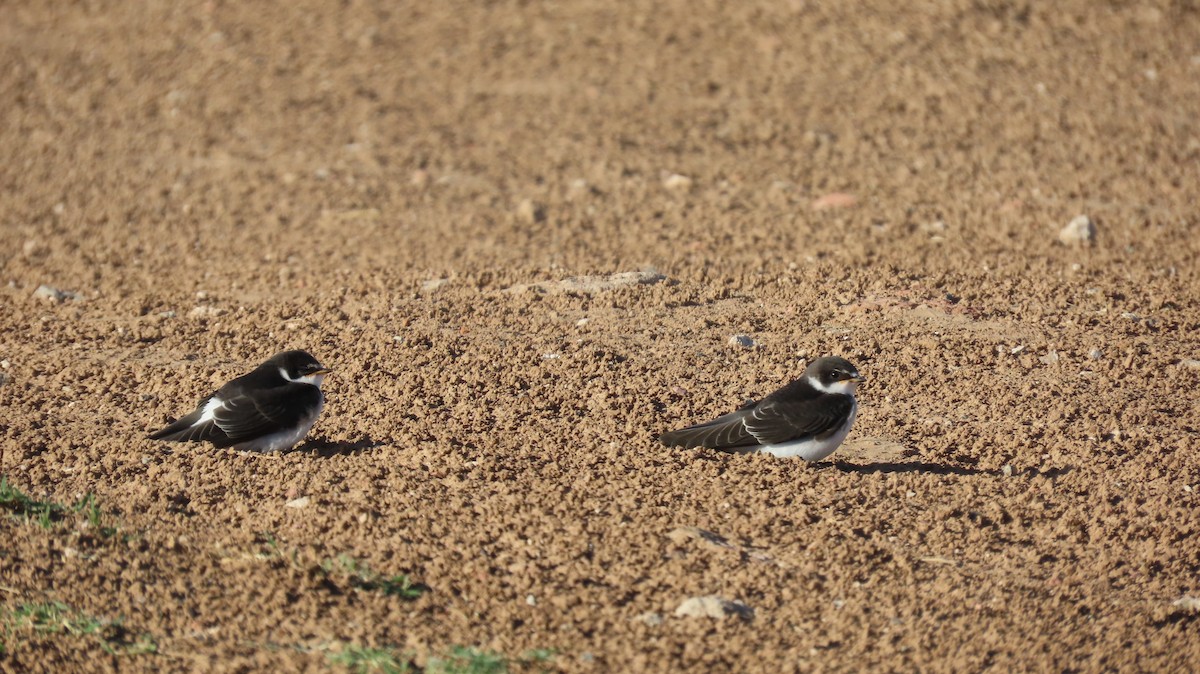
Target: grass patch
365 578
19 505
58 618
271 550
47 513
458 660
466 660
362 660
95 517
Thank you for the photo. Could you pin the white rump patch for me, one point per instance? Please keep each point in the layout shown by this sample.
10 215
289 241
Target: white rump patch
210 411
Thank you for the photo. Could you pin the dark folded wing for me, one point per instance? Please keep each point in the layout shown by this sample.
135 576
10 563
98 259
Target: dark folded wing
774 421
724 432
247 417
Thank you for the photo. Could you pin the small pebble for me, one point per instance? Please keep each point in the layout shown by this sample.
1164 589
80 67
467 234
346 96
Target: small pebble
712 606
1080 230
577 188
205 311
650 618
677 183
54 294
1187 603
434 284
743 341
529 213
33 248
833 200
297 502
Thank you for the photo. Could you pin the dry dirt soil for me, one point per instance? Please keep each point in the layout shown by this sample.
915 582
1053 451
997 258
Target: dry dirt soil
524 234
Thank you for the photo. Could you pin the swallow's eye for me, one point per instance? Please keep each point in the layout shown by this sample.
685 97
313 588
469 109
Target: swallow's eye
836 374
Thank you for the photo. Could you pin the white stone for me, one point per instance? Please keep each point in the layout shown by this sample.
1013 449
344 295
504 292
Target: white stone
712 606
1080 230
676 182
529 212
743 341
205 311
650 618
1187 603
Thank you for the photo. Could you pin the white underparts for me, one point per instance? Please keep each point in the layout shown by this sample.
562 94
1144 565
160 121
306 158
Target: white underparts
283 439
272 442
815 448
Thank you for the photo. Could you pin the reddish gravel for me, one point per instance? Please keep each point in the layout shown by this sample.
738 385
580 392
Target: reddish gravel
432 198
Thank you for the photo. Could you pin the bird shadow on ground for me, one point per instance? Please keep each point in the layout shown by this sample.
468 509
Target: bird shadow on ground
940 469
324 447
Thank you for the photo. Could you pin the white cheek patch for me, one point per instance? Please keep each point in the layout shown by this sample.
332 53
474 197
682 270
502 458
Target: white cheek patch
312 379
843 387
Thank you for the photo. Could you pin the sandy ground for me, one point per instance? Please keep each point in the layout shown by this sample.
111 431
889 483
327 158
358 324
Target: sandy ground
433 198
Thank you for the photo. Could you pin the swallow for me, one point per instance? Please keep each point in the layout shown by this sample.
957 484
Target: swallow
808 418
267 410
